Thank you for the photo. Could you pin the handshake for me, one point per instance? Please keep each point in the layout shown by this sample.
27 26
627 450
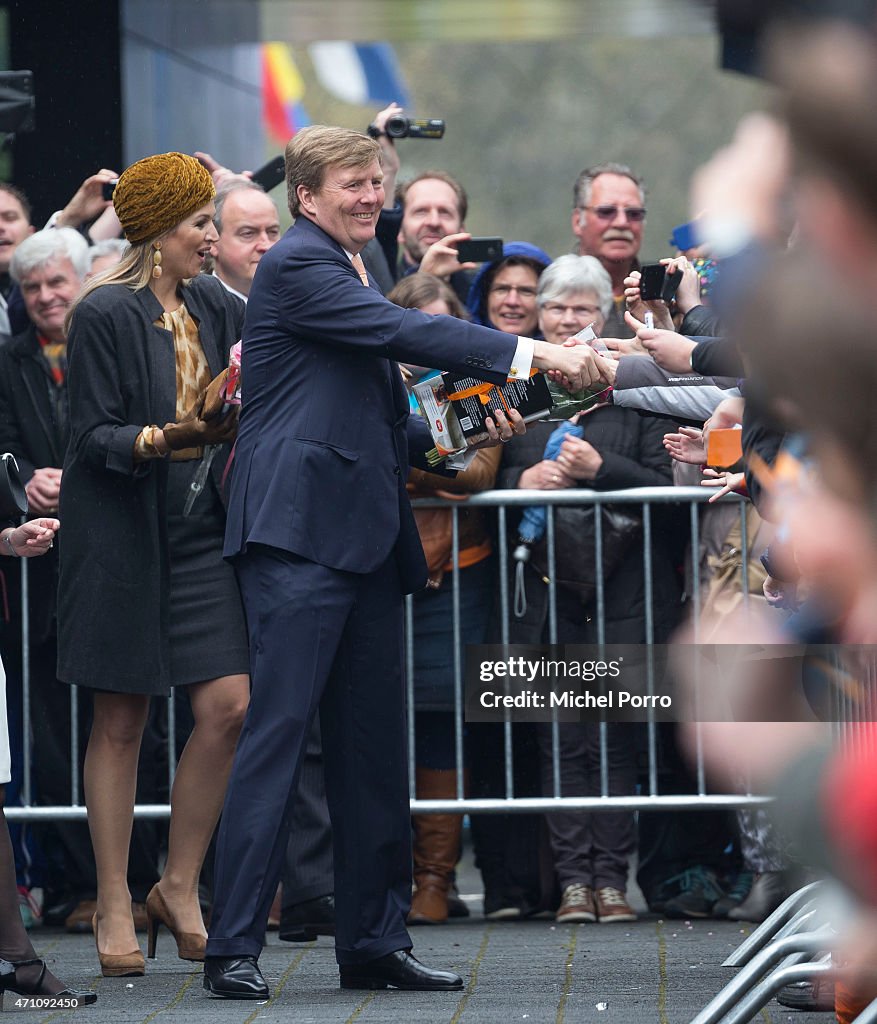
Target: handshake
205 423
577 367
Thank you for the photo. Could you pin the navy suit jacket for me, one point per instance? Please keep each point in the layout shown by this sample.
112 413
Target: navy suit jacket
323 447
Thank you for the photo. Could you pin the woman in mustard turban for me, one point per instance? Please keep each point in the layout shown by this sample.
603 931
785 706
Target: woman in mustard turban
146 601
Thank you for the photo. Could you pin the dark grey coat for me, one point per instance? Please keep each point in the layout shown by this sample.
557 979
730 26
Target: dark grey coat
114 585
31 430
633 456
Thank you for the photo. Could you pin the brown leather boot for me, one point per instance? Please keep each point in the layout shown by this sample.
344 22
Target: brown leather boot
436 848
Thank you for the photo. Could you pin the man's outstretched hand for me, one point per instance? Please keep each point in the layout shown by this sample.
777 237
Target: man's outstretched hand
575 367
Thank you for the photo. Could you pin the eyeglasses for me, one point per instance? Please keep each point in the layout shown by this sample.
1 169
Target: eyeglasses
635 214
505 290
580 312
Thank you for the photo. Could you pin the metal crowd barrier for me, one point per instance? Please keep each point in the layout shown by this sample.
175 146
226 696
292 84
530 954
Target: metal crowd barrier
502 500
650 799
794 944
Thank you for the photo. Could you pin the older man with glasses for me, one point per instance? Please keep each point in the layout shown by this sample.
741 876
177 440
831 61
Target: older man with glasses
608 217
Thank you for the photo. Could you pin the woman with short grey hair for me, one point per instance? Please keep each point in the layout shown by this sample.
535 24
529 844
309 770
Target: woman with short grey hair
576 276
611 448
575 292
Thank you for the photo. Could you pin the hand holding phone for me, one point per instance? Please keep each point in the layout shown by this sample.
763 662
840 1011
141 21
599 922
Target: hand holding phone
655 283
271 174
479 250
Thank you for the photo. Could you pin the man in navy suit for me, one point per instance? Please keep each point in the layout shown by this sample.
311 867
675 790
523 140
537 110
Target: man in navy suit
325 545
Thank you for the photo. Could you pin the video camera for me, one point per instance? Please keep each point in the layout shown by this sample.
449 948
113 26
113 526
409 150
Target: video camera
399 127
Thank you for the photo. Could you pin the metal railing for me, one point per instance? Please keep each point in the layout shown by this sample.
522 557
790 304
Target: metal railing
649 799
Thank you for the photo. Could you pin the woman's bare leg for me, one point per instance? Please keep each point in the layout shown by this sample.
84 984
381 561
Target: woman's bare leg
218 707
110 780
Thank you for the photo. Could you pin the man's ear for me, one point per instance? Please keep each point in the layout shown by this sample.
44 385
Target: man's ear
306 199
578 220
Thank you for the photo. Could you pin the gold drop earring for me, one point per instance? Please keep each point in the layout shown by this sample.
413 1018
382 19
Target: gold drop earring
156 260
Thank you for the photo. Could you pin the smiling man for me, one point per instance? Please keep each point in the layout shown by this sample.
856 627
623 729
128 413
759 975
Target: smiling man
247 223
434 205
49 268
608 218
324 542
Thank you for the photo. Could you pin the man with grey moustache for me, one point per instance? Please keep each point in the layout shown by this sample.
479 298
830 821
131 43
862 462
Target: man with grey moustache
608 218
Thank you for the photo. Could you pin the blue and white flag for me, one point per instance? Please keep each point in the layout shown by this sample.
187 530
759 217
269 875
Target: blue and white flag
366 74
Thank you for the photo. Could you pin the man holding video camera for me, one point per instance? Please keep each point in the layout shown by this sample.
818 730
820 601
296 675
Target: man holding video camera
424 214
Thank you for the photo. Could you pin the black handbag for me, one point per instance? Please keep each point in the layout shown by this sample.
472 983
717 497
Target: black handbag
575 565
13 497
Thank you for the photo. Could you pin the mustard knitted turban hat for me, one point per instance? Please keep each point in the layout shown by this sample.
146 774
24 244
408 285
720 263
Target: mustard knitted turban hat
156 193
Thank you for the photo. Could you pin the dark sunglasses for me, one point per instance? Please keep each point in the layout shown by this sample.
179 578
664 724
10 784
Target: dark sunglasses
634 214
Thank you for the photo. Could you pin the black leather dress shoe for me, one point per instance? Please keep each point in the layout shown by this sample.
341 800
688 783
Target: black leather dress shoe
303 922
234 977
398 970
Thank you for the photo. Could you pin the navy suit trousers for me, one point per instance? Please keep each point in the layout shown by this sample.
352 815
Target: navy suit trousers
324 638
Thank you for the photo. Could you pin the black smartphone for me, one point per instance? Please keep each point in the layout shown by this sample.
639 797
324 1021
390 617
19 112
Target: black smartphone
651 281
271 174
479 250
671 284
108 188
656 283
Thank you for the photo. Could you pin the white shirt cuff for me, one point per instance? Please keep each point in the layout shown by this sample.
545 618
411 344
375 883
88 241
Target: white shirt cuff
53 220
522 361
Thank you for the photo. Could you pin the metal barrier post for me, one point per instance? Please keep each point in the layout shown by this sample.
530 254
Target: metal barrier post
768 988
26 785
458 650
797 947
797 903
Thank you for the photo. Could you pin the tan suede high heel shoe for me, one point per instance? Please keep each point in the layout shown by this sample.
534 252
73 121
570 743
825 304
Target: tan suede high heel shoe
190 945
119 965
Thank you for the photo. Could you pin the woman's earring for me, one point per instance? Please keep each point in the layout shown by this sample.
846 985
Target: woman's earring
156 260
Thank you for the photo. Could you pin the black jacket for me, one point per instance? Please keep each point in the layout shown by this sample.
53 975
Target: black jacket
633 456
717 357
700 321
114 587
30 429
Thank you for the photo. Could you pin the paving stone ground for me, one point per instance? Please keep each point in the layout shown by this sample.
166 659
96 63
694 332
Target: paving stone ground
650 971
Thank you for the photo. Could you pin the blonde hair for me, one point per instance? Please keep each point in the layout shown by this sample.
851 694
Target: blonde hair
311 151
134 270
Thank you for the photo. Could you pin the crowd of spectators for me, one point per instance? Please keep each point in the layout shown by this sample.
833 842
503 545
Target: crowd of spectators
768 334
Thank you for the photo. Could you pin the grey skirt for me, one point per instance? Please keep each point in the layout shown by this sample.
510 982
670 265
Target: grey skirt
208 635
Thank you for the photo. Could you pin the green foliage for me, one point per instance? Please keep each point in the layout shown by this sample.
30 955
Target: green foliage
525 117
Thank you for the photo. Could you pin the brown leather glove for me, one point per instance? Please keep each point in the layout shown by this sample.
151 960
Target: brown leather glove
203 424
214 398
193 431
